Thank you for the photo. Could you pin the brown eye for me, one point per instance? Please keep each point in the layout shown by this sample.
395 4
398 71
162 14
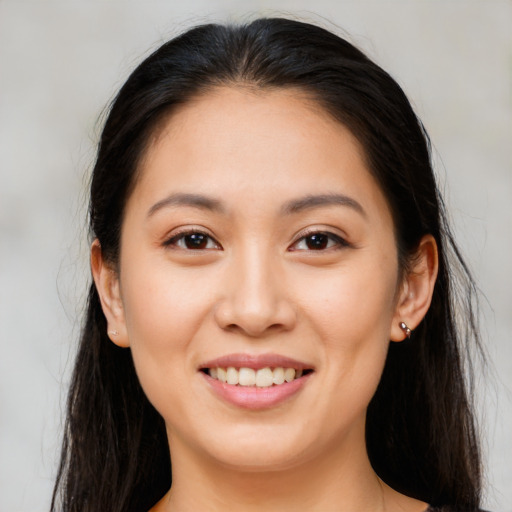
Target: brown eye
316 241
194 240
319 241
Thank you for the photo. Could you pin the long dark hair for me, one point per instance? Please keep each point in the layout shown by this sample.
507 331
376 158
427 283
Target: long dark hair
420 432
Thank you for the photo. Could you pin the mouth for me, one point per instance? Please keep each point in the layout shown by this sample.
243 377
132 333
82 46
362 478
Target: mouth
256 382
250 377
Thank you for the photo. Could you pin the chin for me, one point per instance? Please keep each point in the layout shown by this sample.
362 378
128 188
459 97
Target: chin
260 449
258 461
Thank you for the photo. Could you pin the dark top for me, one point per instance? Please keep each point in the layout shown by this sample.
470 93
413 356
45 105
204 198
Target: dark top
444 509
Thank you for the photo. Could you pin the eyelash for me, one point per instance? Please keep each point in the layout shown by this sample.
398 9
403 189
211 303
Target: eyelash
334 242
180 237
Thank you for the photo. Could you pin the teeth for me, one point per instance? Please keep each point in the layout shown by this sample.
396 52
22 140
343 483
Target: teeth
221 374
262 378
247 377
232 376
278 376
289 374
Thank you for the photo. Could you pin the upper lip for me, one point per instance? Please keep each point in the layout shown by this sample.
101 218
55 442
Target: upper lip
255 362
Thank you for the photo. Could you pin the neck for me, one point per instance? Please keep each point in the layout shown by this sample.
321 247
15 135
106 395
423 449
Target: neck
343 480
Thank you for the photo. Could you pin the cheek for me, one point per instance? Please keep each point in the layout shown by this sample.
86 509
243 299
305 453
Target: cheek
161 304
163 312
352 311
352 301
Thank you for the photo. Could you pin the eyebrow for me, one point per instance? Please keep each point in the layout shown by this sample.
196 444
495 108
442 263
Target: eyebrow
294 206
316 201
181 199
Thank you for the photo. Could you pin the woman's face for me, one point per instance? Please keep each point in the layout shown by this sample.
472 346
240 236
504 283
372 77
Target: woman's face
256 238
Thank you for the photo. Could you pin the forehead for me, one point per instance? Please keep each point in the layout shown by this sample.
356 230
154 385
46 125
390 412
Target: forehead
273 143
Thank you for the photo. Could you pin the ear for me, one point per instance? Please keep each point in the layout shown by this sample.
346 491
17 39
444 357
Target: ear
416 290
106 280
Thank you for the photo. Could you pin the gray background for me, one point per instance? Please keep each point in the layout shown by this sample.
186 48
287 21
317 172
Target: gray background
60 63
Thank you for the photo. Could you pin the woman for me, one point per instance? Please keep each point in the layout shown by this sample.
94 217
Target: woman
265 221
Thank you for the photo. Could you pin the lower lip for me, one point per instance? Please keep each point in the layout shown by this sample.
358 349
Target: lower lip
250 397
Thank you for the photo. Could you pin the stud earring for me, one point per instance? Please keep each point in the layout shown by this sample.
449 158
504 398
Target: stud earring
405 329
114 333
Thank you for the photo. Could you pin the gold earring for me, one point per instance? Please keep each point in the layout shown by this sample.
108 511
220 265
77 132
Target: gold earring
405 329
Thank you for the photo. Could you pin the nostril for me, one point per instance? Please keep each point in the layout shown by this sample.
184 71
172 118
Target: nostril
254 312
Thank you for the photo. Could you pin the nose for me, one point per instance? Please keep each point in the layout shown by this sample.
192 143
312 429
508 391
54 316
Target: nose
255 301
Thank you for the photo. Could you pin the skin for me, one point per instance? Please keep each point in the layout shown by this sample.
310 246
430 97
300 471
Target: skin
258 287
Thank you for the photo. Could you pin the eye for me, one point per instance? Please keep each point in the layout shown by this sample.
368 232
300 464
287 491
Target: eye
193 240
319 241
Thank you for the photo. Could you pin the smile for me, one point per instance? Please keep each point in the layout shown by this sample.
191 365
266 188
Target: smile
250 377
256 381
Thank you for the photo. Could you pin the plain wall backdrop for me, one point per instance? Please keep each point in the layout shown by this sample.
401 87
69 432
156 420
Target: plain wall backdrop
60 64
